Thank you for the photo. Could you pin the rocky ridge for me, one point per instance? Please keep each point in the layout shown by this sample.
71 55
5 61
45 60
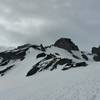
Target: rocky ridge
48 60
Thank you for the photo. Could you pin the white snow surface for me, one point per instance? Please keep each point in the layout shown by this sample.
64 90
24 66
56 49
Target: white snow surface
74 84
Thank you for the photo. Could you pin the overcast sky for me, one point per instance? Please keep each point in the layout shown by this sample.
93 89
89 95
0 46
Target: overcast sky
25 21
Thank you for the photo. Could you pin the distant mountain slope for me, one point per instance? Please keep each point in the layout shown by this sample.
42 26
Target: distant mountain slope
40 58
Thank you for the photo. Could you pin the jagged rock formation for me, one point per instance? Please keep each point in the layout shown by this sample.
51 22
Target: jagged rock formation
66 44
16 54
51 62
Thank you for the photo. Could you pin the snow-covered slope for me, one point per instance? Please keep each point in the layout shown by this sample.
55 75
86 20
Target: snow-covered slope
35 72
75 84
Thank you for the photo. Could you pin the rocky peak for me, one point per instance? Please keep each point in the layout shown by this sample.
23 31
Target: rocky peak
66 43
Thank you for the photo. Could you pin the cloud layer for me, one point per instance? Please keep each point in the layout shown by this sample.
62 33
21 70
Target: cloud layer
23 21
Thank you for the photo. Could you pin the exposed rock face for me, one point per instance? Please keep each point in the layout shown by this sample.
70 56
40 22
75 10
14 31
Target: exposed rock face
85 57
97 52
6 69
52 62
66 44
18 53
80 64
41 55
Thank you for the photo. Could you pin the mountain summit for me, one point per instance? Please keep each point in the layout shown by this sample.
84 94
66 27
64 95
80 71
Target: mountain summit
66 43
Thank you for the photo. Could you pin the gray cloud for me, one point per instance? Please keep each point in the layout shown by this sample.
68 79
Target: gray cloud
23 21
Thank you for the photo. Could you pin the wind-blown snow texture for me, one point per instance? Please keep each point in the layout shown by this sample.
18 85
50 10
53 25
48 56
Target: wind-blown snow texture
80 82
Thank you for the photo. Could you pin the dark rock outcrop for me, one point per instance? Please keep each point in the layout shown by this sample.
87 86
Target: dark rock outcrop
12 55
33 71
52 62
85 57
41 55
80 64
66 43
49 56
64 61
42 48
75 56
96 52
2 72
